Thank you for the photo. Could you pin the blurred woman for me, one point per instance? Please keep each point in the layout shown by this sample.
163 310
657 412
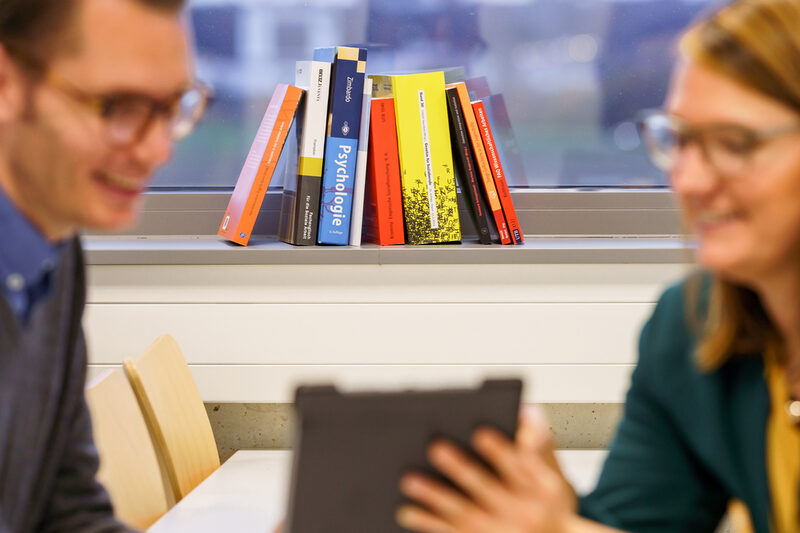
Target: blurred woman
713 411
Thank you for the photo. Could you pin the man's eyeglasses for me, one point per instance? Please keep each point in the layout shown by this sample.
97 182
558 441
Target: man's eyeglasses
128 116
728 148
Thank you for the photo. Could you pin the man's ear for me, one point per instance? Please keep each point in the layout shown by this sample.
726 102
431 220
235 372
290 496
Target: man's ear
12 88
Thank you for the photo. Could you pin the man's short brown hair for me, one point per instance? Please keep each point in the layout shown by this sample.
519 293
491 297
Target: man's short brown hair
37 27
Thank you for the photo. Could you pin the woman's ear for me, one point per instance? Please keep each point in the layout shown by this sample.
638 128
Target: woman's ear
12 88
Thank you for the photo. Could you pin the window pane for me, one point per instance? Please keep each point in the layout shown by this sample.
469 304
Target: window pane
572 73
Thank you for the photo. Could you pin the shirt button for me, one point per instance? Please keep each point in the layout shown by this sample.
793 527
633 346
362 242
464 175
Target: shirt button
15 282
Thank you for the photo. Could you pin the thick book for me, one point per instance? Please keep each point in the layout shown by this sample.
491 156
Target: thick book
484 170
383 203
260 164
465 168
357 215
300 199
430 205
497 170
341 144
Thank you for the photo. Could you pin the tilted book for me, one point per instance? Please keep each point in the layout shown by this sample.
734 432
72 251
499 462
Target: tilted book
300 200
430 206
500 123
497 170
484 170
357 214
341 144
466 172
383 202
259 166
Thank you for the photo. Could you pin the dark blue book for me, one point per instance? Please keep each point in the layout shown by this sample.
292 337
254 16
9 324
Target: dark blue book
341 141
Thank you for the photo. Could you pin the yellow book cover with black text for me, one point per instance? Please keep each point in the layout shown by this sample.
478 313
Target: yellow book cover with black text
426 159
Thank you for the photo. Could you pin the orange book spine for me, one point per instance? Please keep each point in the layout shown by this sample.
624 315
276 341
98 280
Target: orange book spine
259 166
485 170
383 175
499 175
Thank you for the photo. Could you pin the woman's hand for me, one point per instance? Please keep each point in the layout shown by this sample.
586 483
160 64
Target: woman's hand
528 494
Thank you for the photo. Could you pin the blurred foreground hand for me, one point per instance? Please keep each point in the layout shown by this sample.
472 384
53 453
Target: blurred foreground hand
528 494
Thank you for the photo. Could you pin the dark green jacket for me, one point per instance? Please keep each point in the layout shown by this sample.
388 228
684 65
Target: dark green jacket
688 442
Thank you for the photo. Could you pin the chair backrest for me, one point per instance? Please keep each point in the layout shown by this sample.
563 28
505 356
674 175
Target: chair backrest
739 517
175 414
129 469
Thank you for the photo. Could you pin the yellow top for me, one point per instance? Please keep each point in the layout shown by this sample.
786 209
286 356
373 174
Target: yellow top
783 462
783 455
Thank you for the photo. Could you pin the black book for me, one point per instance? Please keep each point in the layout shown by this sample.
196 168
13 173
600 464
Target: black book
297 223
465 168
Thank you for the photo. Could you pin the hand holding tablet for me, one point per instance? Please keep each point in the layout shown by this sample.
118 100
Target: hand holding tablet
524 491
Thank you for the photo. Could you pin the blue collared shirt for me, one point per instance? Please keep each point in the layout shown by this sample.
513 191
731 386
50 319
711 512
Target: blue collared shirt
27 260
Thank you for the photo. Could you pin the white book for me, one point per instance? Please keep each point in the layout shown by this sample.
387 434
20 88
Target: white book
314 77
357 214
300 204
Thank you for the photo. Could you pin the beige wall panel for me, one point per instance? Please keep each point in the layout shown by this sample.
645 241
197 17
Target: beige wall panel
372 333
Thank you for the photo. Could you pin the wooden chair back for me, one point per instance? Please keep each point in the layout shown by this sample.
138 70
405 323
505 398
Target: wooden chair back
129 469
175 414
739 517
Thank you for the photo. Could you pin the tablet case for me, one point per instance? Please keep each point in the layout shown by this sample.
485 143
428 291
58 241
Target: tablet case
352 448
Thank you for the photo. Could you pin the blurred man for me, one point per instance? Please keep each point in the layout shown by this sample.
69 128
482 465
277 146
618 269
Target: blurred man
92 95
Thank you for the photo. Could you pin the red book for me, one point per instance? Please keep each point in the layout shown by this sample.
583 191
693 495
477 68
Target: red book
259 166
497 170
383 206
483 163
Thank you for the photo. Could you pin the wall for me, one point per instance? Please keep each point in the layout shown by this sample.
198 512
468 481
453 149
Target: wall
251 332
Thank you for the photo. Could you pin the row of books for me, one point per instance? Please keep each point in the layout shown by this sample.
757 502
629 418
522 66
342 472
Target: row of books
374 157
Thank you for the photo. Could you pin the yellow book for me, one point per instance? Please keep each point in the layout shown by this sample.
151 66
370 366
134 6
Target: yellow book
430 207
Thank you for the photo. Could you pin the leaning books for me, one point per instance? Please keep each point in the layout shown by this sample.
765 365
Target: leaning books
300 200
426 160
484 170
500 124
259 166
466 170
497 170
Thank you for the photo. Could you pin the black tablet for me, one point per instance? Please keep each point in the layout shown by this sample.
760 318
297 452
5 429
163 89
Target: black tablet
352 448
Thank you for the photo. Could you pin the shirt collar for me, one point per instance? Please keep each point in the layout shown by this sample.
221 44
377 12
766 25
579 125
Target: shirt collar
24 250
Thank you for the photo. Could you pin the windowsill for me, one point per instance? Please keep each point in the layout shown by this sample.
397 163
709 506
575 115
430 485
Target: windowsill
211 250
611 213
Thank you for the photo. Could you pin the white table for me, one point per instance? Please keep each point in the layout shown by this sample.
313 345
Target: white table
248 493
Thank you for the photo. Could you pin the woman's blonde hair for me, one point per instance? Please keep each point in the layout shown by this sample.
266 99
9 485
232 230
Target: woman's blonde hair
757 44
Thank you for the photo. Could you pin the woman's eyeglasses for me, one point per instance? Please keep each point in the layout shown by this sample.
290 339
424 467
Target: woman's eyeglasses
728 148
